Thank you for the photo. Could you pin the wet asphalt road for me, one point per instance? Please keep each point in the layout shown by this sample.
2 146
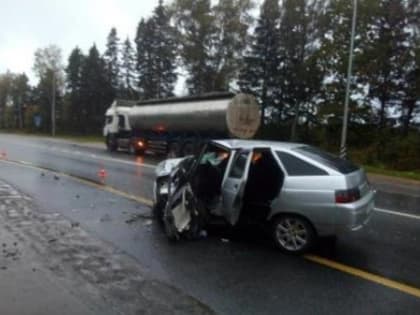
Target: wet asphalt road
243 275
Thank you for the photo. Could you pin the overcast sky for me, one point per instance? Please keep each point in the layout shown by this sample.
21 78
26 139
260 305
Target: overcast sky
30 24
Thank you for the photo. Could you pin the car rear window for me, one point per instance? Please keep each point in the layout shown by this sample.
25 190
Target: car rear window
327 159
297 167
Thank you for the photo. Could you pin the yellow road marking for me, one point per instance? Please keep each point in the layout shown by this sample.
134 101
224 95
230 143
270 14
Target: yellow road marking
104 187
365 275
401 214
313 258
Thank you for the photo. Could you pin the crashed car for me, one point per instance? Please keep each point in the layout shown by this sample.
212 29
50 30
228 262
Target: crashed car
297 191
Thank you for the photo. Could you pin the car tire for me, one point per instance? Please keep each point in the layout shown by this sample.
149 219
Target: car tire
168 227
159 200
158 208
292 234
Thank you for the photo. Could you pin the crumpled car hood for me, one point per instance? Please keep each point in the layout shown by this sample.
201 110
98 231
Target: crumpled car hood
165 167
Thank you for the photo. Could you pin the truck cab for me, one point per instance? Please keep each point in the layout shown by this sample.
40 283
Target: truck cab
116 122
117 130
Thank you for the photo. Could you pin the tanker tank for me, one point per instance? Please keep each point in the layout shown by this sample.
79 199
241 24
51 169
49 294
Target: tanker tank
237 116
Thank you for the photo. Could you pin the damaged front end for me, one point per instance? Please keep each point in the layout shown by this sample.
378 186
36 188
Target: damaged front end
176 205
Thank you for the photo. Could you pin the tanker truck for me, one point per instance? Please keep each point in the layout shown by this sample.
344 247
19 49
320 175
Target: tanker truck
178 126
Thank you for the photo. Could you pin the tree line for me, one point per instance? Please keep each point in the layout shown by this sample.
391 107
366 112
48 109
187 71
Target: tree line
292 55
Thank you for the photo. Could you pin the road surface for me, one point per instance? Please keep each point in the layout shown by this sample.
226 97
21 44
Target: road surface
372 271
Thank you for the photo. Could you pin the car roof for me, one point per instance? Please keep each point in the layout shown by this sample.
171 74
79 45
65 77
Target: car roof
251 144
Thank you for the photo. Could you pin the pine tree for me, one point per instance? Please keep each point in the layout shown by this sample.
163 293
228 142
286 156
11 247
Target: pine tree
300 77
232 19
164 50
333 57
385 55
128 64
195 21
260 73
74 85
410 106
112 61
156 55
146 84
96 92
20 94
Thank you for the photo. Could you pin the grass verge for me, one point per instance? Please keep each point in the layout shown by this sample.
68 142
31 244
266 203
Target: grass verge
413 175
75 138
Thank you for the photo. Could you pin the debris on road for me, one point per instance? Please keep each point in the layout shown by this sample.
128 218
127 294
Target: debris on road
56 177
105 218
134 217
148 222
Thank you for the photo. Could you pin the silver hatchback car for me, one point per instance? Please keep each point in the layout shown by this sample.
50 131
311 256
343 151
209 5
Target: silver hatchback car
298 191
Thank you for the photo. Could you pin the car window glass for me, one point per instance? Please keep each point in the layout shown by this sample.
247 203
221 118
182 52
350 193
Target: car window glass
298 167
327 159
238 167
214 155
121 121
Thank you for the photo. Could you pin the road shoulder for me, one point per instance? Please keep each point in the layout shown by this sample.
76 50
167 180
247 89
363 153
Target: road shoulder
56 267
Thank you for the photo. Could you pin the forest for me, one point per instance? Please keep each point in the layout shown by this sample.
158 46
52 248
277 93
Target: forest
292 55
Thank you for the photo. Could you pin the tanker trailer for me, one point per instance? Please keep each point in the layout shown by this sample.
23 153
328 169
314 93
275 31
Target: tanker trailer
178 126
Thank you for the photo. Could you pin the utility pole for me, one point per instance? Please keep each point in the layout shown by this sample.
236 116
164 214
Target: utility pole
343 148
53 105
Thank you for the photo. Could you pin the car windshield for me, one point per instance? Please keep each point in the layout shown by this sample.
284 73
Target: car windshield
214 155
327 159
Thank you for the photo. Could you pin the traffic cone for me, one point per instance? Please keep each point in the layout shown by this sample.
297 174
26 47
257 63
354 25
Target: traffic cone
102 174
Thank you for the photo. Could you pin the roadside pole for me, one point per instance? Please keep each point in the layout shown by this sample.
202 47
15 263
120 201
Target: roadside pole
343 148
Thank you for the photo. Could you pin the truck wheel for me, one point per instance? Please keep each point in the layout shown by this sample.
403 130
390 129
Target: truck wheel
111 143
139 152
173 150
132 149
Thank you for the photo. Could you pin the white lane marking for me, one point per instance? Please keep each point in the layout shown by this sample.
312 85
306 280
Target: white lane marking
401 214
78 153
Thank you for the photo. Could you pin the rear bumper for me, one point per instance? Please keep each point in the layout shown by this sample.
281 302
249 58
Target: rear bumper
354 216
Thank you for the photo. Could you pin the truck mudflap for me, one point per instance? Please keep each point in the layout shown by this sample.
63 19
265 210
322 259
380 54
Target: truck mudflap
184 215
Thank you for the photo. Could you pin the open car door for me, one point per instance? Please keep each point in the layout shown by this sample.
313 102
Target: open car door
233 186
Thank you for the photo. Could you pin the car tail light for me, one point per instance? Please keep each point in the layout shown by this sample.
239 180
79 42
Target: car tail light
140 144
347 196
